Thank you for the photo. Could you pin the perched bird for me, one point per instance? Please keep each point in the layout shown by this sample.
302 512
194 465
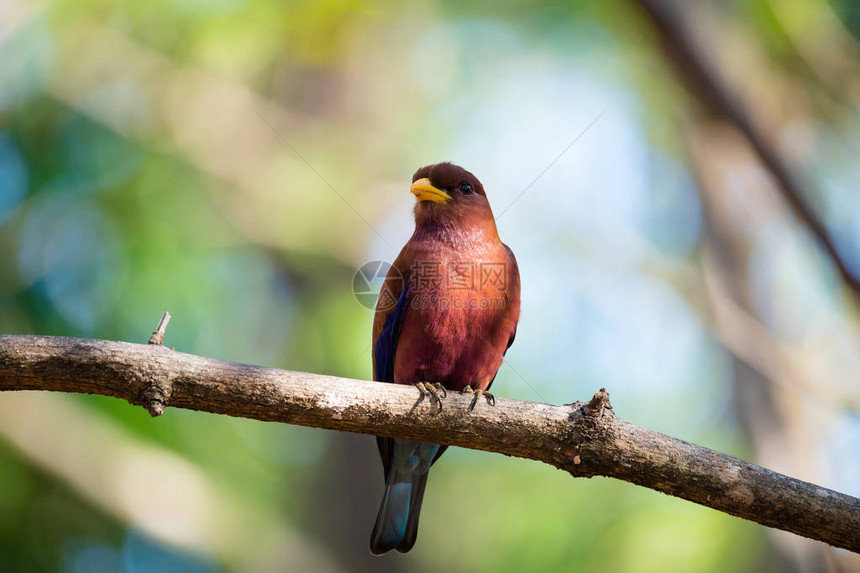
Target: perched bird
446 315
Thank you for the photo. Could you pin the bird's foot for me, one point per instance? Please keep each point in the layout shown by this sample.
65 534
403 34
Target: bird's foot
434 390
491 400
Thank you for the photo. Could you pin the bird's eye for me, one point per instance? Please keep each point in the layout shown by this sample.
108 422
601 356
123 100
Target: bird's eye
466 189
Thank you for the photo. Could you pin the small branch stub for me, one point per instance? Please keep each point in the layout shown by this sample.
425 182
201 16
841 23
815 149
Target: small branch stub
157 337
154 396
598 403
155 407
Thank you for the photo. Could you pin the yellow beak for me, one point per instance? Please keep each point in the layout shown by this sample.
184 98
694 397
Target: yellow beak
425 191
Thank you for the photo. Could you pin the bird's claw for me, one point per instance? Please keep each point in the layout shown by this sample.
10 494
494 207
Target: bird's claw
491 400
434 390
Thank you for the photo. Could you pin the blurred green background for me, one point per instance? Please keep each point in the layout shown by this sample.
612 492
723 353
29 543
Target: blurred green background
234 162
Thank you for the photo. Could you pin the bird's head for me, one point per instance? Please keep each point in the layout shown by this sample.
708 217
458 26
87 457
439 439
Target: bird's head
448 194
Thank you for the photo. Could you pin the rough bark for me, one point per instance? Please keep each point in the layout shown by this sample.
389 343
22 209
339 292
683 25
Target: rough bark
584 439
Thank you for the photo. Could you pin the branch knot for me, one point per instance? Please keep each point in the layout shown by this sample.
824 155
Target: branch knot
153 398
598 403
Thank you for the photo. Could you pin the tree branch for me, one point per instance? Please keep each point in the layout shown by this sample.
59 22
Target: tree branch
584 439
704 79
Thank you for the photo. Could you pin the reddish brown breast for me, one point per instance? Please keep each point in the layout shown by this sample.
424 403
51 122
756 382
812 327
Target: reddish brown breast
463 306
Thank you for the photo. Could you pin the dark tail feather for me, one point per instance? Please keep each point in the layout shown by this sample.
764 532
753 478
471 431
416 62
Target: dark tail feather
393 513
419 482
397 522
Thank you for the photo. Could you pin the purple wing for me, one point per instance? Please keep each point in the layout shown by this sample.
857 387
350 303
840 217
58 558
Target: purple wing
385 343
